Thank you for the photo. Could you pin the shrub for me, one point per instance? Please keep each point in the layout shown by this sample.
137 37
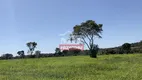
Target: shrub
94 51
74 51
37 54
65 52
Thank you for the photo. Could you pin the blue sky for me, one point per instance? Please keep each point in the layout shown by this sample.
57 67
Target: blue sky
42 21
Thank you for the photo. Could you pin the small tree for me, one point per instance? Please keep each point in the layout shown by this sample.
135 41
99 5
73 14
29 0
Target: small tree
87 32
58 51
126 47
21 54
31 46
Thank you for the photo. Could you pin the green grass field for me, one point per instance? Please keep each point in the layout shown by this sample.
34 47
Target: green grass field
105 67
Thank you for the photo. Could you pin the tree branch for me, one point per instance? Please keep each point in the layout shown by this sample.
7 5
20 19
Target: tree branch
86 42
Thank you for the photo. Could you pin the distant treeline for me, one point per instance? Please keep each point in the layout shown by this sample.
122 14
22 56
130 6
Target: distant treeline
38 54
126 48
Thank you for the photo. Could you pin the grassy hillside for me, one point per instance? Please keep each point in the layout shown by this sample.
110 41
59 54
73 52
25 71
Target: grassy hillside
106 67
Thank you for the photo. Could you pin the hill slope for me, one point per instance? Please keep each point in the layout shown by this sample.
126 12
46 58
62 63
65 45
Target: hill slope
135 48
107 67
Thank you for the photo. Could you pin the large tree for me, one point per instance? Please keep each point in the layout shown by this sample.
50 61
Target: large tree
87 32
31 46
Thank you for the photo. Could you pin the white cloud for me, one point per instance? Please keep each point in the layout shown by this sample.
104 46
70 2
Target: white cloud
66 33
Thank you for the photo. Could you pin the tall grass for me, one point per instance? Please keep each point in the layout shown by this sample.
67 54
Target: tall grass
106 67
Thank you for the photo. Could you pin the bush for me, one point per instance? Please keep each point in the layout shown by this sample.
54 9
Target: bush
30 56
37 54
74 51
65 52
94 51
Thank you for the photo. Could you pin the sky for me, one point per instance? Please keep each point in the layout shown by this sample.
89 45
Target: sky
43 21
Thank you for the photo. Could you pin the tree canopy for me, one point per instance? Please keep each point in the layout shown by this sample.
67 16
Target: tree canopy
126 47
31 46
